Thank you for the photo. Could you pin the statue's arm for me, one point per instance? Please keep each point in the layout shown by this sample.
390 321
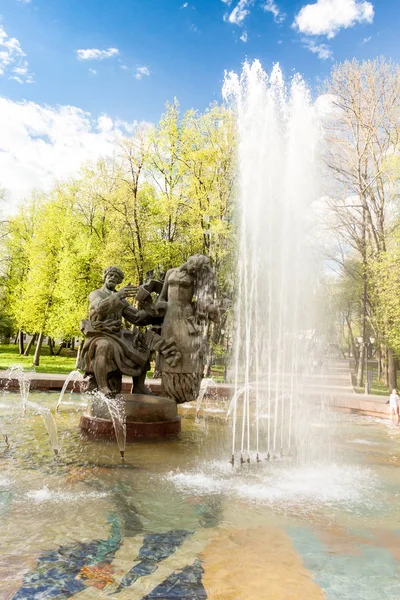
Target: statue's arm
103 306
130 313
163 297
162 300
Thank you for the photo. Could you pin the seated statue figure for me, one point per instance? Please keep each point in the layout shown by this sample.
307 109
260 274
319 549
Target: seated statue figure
109 351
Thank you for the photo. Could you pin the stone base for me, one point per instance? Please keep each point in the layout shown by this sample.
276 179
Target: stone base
147 416
102 428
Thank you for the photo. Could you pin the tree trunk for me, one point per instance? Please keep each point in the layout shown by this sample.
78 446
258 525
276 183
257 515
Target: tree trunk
51 346
21 341
392 370
73 344
62 345
36 358
379 357
352 344
361 361
363 305
385 367
30 344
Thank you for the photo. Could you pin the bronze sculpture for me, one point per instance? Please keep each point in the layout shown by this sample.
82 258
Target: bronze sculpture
183 309
188 301
109 350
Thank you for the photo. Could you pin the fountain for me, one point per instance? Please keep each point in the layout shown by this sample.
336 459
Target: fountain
177 311
176 520
278 137
24 382
74 377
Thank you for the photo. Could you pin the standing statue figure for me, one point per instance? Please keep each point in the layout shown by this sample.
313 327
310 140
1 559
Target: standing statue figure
188 303
108 350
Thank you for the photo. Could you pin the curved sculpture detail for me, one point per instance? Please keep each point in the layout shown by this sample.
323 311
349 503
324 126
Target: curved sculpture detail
188 303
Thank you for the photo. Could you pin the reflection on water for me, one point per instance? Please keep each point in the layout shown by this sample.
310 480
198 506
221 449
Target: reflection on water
176 516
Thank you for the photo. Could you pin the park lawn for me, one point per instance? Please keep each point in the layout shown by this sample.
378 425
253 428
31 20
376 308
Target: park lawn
63 364
378 388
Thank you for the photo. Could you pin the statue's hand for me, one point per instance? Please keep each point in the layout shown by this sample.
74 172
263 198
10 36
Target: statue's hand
128 291
161 308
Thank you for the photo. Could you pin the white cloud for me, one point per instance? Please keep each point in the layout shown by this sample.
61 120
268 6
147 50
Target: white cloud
239 13
124 68
96 54
93 71
142 72
24 1
41 144
367 39
185 5
321 50
12 59
243 37
272 7
327 17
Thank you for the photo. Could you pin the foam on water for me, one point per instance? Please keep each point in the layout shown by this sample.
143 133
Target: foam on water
283 484
364 442
5 482
44 494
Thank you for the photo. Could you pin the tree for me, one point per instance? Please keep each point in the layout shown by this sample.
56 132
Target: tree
362 136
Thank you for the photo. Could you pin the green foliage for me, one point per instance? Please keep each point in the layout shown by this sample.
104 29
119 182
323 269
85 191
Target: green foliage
6 326
166 194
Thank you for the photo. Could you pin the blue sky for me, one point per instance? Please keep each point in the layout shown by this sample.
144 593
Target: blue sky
126 58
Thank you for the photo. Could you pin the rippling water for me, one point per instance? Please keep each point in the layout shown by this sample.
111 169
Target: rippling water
82 521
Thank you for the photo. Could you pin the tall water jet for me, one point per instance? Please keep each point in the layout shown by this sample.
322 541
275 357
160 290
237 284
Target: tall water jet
278 137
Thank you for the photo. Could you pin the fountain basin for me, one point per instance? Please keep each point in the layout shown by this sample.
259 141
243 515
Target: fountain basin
146 416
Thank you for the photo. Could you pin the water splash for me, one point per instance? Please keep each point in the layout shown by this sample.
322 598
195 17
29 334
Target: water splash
278 136
74 376
24 381
49 423
207 385
116 409
283 485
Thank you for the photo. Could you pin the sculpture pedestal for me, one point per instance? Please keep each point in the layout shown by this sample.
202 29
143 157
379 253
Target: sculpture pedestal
146 417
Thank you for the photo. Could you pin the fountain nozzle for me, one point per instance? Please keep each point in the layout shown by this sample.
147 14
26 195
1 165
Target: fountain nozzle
6 440
122 453
241 459
268 456
258 459
232 461
55 450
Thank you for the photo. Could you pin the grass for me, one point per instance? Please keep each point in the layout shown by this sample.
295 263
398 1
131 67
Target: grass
378 388
63 364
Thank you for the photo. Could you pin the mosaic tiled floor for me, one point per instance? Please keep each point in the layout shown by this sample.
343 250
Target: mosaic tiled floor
175 522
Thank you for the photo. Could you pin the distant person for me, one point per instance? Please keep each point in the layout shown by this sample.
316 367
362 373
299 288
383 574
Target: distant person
394 400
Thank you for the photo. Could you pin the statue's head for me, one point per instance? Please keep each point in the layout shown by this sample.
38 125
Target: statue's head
112 276
197 262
